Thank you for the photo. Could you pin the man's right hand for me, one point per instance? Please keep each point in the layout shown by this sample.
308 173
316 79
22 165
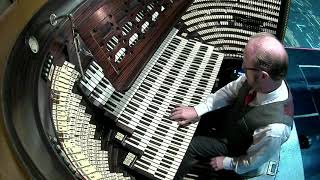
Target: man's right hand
183 114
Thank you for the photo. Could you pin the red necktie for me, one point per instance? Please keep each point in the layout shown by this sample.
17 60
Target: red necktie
250 97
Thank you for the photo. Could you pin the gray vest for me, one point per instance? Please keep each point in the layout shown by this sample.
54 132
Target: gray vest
243 120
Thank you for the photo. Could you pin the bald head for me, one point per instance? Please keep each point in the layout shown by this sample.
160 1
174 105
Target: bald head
268 55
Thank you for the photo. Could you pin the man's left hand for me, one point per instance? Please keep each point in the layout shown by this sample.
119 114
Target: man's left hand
217 163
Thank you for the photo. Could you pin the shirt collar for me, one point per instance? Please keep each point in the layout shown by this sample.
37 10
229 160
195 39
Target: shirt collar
280 94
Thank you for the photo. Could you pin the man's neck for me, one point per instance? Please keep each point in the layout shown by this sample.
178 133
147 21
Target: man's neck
271 86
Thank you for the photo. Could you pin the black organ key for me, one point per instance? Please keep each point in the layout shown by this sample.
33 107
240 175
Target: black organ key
181 93
169 79
212 63
166 55
177 101
173 73
177 66
145 122
103 85
184 83
189 45
179 98
201 85
203 48
154 142
151 78
93 64
160 133
115 97
164 91
141 89
151 110
92 69
201 54
197 60
137 98
171 48
185 52
156 71
162 62
99 90
213 56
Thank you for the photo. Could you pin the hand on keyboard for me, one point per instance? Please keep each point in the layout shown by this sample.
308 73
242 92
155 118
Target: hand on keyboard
217 163
183 114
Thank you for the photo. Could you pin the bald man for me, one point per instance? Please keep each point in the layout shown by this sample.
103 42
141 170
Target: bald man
258 117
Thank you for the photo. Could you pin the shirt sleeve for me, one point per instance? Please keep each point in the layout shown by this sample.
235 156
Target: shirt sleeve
220 98
266 142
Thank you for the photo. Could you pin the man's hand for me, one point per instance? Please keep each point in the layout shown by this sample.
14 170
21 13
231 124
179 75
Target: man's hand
217 163
183 114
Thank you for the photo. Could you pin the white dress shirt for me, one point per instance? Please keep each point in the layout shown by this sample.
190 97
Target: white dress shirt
266 140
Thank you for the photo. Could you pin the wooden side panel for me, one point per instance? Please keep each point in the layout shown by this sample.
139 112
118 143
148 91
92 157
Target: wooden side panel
12 21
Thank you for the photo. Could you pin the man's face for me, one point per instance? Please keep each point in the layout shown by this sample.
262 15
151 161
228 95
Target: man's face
251 73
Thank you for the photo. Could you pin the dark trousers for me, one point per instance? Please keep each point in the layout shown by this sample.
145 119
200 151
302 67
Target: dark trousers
201 148
204 145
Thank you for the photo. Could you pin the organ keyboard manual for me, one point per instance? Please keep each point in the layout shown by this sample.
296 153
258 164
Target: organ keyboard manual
180 72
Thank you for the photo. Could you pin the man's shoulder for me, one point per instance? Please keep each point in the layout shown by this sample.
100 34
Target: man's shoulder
242 79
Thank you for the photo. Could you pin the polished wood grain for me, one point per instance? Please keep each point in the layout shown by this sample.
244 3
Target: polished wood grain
105 20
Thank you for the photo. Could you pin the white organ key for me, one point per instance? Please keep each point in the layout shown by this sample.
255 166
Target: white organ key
61 88
103 91
93 77
86 87
90 81
95 71
97 100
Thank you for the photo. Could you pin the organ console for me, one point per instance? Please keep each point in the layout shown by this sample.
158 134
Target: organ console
140 58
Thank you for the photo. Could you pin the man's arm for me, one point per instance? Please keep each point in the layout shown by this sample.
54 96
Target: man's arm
220 98
266 142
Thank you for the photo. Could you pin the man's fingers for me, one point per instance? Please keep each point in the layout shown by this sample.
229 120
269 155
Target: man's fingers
212 163
217 163
176 109
175 113
183 123
177 116
179 105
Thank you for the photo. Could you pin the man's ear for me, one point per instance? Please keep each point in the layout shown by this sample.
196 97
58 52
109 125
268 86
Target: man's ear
264 75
